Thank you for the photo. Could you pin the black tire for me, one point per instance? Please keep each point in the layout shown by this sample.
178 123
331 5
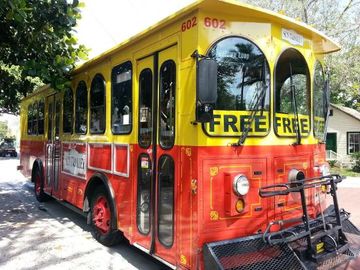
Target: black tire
15 154
104 230
38 181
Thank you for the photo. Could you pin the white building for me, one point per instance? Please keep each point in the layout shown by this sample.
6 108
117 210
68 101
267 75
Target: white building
343 137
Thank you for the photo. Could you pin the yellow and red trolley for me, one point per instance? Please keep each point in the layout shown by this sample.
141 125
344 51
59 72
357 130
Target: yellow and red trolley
200 140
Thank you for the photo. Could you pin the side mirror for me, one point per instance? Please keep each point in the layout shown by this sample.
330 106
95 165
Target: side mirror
206 89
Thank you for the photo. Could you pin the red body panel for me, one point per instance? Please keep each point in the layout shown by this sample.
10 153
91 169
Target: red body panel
203 192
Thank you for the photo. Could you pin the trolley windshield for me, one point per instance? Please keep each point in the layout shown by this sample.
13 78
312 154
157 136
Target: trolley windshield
243 87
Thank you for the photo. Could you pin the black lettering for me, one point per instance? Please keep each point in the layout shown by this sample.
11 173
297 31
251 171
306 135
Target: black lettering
277 123
260 126
293 124
213 122
286 125
244 123
304 125
230 120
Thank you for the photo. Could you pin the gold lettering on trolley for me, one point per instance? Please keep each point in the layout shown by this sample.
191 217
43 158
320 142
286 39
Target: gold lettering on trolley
183 259
70 189
194 186
214 215
214 171
188 152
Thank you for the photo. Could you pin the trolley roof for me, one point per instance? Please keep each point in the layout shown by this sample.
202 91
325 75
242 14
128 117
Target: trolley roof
322 43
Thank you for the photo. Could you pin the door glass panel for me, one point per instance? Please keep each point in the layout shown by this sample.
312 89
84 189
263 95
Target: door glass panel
145 108
50 118
166 201
57 118
143 194
167 104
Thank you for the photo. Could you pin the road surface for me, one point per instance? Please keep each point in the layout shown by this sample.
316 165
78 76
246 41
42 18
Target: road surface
50 236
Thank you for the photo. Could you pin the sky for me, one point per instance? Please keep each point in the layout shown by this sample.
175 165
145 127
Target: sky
105 23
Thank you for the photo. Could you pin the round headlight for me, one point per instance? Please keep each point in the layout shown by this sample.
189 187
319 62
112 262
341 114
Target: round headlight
241 185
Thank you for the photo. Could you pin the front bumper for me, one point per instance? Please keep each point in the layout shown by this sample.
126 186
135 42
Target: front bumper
325 242
255 253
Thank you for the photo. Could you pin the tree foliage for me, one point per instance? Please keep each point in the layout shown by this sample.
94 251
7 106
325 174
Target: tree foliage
340 20
36 41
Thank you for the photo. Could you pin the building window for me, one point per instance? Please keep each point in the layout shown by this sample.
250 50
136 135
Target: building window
97 105
68 111
353 142
121 96
81 108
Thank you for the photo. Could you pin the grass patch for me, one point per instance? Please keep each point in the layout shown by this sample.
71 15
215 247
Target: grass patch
344 172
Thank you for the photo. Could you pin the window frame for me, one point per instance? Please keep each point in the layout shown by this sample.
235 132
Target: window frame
90 107
76 107
308 85
317 63
164 156
268 94
30 119
131 117
145 146
67 90
348 141
159 131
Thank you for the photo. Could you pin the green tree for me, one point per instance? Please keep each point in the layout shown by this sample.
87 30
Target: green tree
36 41
340 20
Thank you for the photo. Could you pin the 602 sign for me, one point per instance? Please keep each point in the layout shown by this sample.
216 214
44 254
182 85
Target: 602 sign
187 25
214 23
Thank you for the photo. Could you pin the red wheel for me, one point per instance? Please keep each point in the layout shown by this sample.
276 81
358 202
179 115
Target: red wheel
101 214
102 217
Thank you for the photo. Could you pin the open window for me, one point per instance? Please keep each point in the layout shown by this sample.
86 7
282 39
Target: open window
292 95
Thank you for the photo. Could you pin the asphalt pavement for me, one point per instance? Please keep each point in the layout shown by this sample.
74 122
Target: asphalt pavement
51 236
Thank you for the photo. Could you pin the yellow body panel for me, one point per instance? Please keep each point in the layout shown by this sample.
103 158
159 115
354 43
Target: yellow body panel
189 30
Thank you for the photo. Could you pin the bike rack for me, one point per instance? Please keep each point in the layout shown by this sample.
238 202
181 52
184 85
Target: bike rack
326 228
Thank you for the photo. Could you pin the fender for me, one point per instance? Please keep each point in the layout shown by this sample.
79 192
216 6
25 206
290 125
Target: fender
95 180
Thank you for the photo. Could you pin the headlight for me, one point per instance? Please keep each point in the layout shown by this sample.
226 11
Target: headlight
324 170
241 185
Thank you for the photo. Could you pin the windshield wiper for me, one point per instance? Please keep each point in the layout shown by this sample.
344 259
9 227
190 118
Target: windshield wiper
294 105
258 99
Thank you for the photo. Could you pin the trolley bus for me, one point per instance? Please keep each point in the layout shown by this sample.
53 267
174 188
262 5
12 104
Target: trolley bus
200 140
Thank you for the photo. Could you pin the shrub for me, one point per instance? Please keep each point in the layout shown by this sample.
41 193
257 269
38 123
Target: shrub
332 163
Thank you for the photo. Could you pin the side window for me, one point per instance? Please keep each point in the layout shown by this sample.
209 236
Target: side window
145 108
41 115
81 108
97 105
167 104
121 96
319 100
35 119
292 95
68 110
30 119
